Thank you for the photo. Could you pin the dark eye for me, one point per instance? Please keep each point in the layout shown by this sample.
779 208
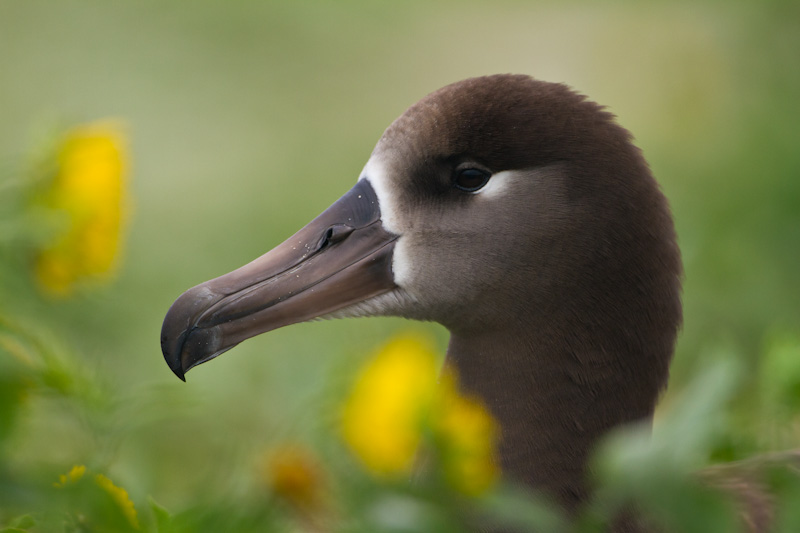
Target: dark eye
471 179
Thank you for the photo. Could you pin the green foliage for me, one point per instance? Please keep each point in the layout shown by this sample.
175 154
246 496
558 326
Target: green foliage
656 472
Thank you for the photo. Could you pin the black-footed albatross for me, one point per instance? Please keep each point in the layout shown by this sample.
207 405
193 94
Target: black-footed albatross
520 216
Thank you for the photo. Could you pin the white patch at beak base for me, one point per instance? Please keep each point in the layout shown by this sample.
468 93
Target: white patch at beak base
375 172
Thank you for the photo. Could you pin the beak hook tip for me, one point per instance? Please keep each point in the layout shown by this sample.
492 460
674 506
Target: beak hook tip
180 375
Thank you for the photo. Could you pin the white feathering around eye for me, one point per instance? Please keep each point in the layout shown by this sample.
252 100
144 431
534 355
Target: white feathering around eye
497 185
375 172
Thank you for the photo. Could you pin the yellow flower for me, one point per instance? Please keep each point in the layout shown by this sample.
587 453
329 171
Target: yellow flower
89 192
396 400
382 420
75 474
120 497
292 473
467 435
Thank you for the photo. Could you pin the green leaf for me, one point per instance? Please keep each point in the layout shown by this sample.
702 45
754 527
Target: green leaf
163 517
656 473
518 508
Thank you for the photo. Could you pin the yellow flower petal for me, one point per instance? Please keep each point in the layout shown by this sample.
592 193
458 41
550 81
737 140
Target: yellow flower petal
75 474
396 399
89 190
292 473
120 497
383 417
467 435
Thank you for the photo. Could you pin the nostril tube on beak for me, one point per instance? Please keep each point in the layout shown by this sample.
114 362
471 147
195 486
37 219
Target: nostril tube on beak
334 234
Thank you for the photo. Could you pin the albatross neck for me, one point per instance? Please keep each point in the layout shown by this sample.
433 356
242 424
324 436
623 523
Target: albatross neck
553 395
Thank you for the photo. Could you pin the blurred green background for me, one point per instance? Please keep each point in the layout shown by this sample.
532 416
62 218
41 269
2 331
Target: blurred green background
248 118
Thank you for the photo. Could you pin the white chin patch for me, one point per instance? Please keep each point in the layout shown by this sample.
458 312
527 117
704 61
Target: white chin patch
394 303
375 173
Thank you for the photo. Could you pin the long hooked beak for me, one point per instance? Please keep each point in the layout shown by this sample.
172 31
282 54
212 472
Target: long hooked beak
340 258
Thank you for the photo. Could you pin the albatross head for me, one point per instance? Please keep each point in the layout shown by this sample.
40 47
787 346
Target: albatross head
493 203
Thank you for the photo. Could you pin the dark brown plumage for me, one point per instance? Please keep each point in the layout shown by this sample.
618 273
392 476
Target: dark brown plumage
559 281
